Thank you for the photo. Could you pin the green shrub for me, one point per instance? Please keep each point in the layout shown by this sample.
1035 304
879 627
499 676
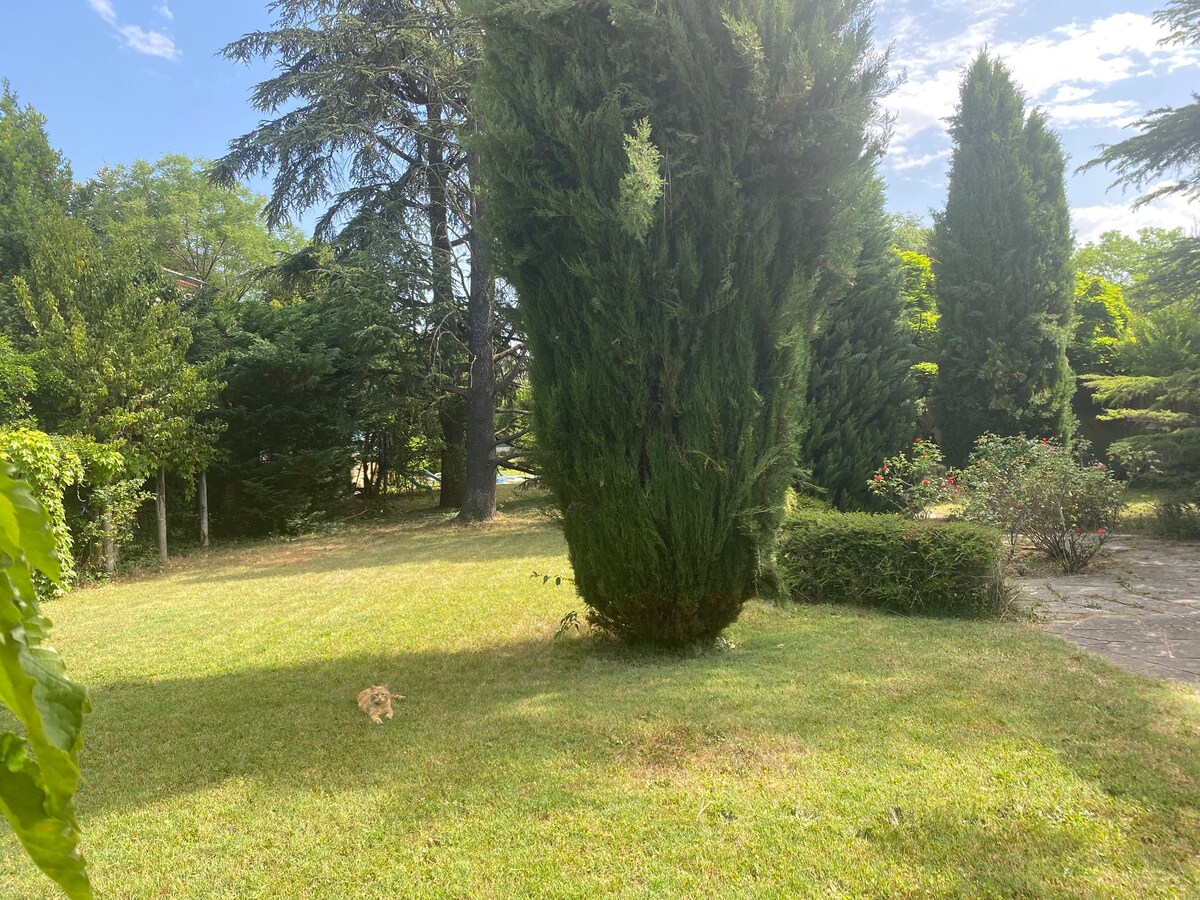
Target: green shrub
1178 515
893 563
1039 489
913 482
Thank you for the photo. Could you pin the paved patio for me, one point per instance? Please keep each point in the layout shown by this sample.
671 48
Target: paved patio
1140 610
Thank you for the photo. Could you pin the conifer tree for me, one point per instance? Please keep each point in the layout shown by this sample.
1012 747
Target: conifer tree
1004 281
861 398
663 178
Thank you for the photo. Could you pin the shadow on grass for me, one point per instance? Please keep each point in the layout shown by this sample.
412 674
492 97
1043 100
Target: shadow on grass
421 543
537 700
856 710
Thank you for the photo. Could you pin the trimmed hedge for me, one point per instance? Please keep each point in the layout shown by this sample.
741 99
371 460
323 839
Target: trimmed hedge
893 563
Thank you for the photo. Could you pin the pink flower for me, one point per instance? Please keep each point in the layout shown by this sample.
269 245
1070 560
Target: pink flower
950 480
879 478
1101 532
925 481
917 441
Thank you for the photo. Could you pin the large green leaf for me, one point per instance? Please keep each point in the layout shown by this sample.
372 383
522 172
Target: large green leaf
49 833
36 792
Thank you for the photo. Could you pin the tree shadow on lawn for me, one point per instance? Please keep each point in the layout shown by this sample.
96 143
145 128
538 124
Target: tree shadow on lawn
475 720
438 544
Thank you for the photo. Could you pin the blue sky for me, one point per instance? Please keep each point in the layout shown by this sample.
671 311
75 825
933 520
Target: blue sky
1094 67
120 80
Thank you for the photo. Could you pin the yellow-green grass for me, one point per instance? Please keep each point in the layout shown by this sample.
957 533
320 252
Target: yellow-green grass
830 753
1141 504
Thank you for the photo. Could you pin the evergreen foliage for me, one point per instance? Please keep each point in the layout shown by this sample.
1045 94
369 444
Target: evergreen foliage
368 114
1004 281
861 404
316 367
1153 385
893 563
664 180
288 449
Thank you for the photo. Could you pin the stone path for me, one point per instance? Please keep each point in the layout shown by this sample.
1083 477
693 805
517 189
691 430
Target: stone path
1141 610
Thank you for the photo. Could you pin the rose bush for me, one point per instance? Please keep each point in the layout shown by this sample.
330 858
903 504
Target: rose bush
1064 507
914 482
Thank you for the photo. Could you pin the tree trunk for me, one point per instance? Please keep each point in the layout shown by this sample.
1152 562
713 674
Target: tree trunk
452 417
110 545
202 493
383 463
453 413
479 500
160 509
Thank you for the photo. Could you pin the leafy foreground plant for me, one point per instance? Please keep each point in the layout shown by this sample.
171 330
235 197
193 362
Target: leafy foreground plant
660 179
36 792
1039 489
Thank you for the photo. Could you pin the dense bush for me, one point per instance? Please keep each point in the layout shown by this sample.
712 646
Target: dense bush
889 562
1178 515
1040 489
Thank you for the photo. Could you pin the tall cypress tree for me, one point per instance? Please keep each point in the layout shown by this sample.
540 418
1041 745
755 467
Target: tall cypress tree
861 396
663 177
1004 284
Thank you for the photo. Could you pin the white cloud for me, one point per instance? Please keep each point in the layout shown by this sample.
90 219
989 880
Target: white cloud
105 9
165 11
1102 53
1167 212
136 38
152 43
902 161
1116 113
1058 70
1069 94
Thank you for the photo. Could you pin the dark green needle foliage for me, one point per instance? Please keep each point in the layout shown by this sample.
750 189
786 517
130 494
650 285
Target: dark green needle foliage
663 178
1004 280
861 396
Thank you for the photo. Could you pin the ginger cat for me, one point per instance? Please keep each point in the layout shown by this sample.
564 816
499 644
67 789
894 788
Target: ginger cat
376 702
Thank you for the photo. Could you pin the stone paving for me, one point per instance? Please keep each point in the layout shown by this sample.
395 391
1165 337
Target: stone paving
1140 609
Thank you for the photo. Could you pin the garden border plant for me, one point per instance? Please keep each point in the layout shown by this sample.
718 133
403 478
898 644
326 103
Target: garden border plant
1042 490
915 481
893 563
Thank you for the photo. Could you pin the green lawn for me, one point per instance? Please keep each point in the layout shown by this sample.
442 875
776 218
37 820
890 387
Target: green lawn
830 753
